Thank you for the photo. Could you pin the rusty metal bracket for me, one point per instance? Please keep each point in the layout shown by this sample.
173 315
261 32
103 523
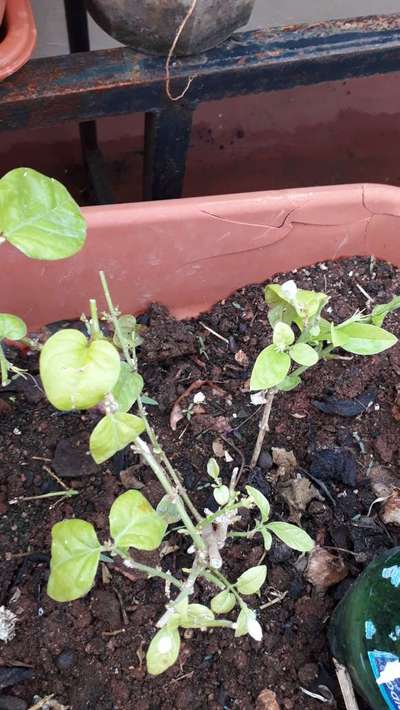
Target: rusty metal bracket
85 86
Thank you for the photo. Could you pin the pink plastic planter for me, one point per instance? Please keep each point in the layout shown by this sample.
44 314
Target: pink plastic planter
188 254
19 41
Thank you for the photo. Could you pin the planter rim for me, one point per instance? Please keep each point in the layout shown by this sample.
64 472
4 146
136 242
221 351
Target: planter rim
20 39
188 254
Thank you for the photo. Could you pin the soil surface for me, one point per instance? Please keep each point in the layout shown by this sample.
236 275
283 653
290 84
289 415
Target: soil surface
90 653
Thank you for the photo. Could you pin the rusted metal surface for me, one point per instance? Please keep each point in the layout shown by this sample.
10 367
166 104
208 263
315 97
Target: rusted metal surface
86 86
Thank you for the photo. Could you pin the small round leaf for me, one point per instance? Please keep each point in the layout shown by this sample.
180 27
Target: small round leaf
270 368
135 523
292 536
113 433
223 602
304 354
213 468
77 373
168 511
75 555
283 335
11 327
163 650
197 616
260 501
39 217
222 495
250 581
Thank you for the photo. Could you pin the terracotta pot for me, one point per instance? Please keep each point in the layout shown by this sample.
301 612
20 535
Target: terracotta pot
2 9
188 254
20 36
151 25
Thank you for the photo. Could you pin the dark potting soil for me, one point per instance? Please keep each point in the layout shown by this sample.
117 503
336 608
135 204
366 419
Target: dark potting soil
90 653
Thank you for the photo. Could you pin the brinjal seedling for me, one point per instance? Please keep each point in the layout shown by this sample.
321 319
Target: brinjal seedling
100 371
293 310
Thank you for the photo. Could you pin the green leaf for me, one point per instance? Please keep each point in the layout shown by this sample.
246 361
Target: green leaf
292 536
128 388
135 523
11 327
260 501
267 539
127 326
223 602
149 401
163 650
77 373
168 511
289 383
302 306
303 354
361 338
247 624
222 495
270 368
113 433
75 555
241 623
380 312
250 581
213 469
39 217
197 616
283 335
321 331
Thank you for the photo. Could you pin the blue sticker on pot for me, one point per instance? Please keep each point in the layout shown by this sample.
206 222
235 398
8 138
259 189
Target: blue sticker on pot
386 669
370 630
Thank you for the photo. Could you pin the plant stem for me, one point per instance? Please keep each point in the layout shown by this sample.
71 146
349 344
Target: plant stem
214 516
64 494
264 426
130 357
150 571
3 367
156 467
94 319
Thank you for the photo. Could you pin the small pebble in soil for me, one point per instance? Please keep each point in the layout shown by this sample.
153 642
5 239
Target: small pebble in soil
65 660
267 700
336 464
14 675
11 702
265 460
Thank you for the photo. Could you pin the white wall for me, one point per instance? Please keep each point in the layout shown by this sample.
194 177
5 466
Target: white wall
52 37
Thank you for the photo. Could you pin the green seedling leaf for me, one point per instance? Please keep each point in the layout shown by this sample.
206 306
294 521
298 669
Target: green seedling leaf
113 433
283 336
168 511
39 217
247 624
128 388
77 373
260 501
321 331
149 401
11 327
380 312
75 555
197 616
361 338
304 354
213 469
267 539
292 536
127 325
297 305
135 523
252 580
222 495
223 602
289 383
270 368
163 650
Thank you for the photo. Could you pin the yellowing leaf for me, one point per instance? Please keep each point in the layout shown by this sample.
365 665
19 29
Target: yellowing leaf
250 581
163 650
128 388
77 373
113 433
135 523
75 555
271 367
223 602
304 354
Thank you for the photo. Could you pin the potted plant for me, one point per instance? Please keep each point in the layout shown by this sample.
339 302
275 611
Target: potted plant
152 26
189 255
18 36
